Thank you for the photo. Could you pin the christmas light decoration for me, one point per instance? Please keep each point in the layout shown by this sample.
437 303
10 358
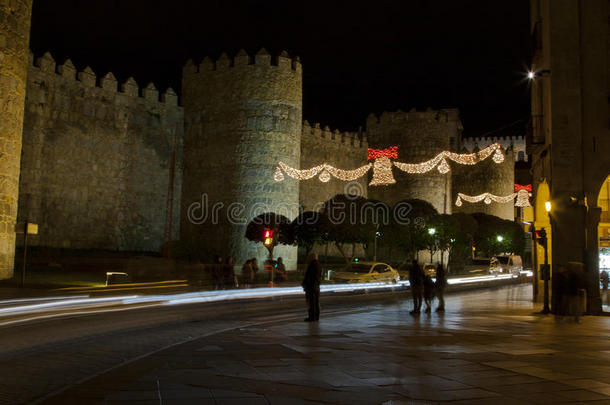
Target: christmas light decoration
382 172
440 162
391 152
382 166
522 194
325 169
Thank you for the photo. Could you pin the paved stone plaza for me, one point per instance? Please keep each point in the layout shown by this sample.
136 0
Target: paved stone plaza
489 347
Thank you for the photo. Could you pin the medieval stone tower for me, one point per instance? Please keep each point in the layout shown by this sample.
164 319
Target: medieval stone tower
419 135
14 50
242 116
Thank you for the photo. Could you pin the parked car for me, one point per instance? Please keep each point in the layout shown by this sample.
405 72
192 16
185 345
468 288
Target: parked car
429 270
506 265
366 272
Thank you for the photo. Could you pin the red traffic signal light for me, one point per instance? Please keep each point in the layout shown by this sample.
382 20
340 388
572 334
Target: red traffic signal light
268 237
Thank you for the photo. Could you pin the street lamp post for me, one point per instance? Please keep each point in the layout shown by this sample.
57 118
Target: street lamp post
432 232
547 269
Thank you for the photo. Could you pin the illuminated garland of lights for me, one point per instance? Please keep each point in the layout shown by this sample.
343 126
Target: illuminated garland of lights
440 160
523 198
325 171
382 166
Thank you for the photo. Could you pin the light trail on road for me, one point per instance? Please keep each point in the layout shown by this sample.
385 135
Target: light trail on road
38 309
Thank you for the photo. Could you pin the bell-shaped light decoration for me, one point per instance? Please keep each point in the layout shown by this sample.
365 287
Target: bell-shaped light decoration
487 200
498 156
458 202
324 176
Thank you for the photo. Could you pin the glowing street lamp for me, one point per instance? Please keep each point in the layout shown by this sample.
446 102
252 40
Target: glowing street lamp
500 238
547 206
531 75
431 231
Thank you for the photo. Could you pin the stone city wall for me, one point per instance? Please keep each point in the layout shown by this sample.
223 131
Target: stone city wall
486 176
517 143
96 159
420 136
242 116
344 150
14 40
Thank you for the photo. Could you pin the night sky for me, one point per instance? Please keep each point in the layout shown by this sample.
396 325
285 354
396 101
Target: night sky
358 57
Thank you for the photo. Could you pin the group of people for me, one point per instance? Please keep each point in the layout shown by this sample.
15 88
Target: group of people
223 274
424 289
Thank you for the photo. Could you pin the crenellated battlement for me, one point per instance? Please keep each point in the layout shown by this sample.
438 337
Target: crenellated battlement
241 60
108 83
354 139
397 117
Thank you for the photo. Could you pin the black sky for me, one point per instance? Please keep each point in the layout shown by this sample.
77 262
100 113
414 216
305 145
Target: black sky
358 57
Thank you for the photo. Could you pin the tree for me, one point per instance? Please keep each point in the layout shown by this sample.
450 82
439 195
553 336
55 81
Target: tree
407 229
279 224
443 231
496 235
307 231
345 221
461 250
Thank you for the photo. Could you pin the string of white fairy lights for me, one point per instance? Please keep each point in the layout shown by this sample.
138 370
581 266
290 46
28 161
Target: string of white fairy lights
382 166
522 194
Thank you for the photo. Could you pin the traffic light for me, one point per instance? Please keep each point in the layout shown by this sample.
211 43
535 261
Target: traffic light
268 237
541 237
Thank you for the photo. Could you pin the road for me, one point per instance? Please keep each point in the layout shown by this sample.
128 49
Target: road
487 347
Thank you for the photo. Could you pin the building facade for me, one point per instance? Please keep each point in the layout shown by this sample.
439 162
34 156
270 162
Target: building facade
570 140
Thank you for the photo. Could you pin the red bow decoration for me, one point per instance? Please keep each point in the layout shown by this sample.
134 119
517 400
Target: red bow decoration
391 152
520 187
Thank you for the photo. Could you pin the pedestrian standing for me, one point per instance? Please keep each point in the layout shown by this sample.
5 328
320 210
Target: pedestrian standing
440 284
311 285
228 273
247 274
416 281
217 275
254 264
280 270
428 292
604 279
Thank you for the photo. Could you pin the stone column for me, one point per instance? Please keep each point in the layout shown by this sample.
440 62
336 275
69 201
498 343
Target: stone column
14 50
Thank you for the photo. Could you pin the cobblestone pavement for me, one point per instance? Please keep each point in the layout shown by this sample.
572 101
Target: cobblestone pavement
488 348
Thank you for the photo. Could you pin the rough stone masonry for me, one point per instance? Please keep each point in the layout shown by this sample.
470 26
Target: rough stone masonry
14 45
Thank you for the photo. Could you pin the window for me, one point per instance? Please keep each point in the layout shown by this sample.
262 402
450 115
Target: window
521 156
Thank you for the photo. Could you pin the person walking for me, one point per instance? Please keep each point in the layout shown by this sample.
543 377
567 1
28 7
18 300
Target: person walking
440 284
604 279
311 286
428 292
247 275
228 274
416 281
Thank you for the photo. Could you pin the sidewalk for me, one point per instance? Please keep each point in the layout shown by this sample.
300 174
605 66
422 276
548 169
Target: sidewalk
488 348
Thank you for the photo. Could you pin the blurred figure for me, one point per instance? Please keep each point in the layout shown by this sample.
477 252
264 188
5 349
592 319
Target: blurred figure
217 270
254 264
311 286
280 270
428 292
247 274
604 279
441 283
228 274
416 280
